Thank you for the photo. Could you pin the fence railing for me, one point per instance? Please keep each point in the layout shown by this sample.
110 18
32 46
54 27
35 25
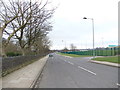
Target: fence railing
10 64
98 52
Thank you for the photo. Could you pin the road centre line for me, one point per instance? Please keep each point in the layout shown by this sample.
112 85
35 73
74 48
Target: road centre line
70 63
87 70
82 68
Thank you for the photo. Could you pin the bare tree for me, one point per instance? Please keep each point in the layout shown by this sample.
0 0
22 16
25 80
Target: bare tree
73 47
29 22
8 14
6 17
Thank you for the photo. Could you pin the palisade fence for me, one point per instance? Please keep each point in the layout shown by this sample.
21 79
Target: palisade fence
10 64
98 52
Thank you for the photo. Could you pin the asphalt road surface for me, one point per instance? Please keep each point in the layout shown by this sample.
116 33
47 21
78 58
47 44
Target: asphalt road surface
66 72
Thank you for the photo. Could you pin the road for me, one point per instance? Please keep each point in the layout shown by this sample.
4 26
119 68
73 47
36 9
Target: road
66 72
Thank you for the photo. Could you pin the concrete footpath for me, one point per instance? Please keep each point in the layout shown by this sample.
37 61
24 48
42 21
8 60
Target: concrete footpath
106 63
24 77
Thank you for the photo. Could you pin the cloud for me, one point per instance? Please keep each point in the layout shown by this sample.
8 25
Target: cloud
69 25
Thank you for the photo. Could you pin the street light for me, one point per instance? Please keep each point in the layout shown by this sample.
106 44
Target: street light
93 34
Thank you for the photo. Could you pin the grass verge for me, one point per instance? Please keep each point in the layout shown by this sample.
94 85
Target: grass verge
73 55
113 59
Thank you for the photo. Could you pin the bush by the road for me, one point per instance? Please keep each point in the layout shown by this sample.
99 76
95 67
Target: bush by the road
11 54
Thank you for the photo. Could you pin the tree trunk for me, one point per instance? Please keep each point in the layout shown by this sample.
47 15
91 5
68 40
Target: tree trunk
2 51
23 52
0 42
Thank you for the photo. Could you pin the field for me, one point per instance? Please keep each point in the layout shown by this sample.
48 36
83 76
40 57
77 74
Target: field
113 59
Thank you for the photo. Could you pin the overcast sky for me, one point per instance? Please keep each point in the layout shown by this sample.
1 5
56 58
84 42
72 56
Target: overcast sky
69 25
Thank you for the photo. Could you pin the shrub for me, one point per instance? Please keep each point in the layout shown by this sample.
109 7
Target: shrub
11 54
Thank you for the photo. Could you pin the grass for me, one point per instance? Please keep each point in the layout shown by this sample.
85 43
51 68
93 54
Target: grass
73 55
113 59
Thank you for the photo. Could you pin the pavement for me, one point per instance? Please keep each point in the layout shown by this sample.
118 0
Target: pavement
65 72
24 77
106 63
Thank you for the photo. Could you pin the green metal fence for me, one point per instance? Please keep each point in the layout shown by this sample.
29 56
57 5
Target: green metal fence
98 52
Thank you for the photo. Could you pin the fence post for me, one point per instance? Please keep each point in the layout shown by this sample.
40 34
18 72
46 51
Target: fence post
114 51
99 51
110 51
102 51
106 51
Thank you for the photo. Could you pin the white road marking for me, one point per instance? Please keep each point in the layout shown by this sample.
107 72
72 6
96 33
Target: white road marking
118 84
82 68
87 70
71 63
68 62
67 56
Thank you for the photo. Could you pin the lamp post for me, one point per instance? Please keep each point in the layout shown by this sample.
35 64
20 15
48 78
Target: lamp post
93 34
